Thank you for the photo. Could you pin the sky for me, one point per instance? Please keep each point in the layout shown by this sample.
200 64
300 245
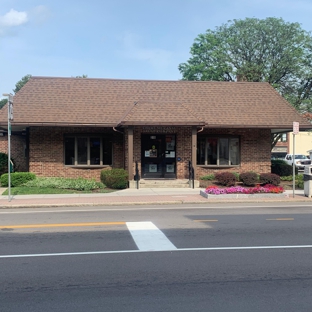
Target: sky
121 39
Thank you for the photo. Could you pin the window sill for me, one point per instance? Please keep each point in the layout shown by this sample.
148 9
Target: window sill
216 166
87 166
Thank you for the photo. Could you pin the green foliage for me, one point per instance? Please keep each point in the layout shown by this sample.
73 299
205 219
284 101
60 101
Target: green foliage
269 178
237 175
83 76
249 178
208 177
299 181
115 178
226 178
3 163
17 178
269 50
287 178
21 83
3 102
281 168
79 184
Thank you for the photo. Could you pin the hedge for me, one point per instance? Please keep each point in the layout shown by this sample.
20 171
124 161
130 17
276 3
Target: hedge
270 178
249 178
17 178
282 168
226 178
115 178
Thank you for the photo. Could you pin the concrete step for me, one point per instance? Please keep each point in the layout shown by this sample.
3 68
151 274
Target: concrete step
162 183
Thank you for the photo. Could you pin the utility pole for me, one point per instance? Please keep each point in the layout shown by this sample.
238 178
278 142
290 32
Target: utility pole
295 131
10 118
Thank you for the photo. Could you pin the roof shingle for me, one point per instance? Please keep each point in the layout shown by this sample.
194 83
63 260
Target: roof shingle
112 102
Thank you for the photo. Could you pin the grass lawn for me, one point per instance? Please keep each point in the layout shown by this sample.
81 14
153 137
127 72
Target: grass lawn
20 190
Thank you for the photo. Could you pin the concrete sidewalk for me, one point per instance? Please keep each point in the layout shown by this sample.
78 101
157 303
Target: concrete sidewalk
135 197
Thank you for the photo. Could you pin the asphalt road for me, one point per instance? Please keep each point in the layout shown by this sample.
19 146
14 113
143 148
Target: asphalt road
222 258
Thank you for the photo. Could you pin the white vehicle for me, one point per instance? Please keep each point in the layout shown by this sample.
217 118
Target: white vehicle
300 160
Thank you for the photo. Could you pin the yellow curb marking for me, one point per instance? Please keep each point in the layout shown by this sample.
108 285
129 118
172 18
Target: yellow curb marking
27 226
281 219
205 220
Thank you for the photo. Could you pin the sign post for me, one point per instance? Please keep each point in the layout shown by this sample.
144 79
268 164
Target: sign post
295 131
10 118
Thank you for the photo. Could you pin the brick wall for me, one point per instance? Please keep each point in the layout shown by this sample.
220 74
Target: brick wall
255 147
4 144
255 153
18 146
46 152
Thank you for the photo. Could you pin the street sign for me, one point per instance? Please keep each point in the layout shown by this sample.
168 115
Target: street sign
295 127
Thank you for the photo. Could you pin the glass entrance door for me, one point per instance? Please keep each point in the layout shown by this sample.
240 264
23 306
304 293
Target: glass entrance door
158 156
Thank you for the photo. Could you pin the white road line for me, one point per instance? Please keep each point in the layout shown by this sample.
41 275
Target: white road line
145 251
148 237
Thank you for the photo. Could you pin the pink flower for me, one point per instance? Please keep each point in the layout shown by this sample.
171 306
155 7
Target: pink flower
213 189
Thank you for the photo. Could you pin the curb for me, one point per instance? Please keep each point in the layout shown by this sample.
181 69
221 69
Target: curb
215 200
244 196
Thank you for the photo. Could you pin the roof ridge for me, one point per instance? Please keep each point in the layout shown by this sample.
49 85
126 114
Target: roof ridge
192 112
151 80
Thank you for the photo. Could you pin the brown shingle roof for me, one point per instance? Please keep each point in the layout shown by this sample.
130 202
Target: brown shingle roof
112 102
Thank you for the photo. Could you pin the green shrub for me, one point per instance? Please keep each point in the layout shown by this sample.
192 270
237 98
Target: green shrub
299 181
290 177
237 175
249 178
226 178
270 178
281 168
115 178
17 178
208 177
79 184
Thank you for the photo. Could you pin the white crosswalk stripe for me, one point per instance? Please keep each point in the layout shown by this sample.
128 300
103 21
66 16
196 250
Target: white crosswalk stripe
148 237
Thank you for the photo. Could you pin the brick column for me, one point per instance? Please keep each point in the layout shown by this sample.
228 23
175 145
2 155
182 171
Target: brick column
130 153
194 147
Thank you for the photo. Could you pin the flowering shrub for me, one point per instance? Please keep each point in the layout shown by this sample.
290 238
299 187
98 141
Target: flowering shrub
243 190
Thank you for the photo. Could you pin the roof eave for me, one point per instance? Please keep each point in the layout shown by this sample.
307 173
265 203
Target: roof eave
167 123
58 124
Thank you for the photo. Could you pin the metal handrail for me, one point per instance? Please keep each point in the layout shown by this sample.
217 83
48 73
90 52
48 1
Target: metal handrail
137 176
191 173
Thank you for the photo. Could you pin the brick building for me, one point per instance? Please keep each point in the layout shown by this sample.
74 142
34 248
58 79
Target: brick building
73 127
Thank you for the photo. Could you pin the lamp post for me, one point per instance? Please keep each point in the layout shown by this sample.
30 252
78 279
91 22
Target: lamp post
10 118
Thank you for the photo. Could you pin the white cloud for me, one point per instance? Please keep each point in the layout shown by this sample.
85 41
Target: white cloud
12 19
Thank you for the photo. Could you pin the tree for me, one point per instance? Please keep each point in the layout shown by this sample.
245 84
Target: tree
3 102
21 83
83 76
270 50
18 86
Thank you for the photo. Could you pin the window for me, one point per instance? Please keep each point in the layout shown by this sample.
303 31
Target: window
217 151
283 137
88 151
